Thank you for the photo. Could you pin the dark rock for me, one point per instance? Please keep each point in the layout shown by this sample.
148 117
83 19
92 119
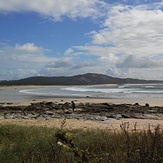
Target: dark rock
49 103
68 112
88 111
110 116
9 103
49 113
126 116
2 103
147 105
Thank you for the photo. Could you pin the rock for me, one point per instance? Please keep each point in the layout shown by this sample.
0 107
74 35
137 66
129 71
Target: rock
1 117
110 116
9 103
49 103
147 105
126 116
25 117
88 111
41 118
101 118
49 113
149 116
34 116
68 112
152 111
17 117
118 116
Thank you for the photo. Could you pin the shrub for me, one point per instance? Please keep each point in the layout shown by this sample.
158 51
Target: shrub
22 144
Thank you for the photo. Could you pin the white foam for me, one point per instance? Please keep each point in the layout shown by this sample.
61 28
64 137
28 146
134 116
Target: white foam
127 91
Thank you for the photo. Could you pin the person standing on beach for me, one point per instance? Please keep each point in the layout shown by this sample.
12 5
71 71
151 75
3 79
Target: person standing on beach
73 106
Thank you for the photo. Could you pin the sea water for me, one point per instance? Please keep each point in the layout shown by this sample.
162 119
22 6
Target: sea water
133 92
150 91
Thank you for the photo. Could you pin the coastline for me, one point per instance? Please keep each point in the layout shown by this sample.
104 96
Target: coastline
110 123
29 86
28 99
62 100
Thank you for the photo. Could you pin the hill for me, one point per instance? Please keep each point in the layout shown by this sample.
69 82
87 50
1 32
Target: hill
85 79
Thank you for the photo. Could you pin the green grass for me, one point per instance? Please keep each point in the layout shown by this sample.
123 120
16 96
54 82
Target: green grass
22 144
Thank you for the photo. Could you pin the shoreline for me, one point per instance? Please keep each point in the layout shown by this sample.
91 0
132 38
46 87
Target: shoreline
46 86
59 99
28 99
12 112
84 100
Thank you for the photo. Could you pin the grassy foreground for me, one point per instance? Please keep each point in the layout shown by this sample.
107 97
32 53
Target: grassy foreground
22 144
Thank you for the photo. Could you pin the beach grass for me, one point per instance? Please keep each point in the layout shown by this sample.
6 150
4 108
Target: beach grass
24 144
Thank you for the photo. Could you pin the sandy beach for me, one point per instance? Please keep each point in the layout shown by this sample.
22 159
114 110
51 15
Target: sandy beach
74 123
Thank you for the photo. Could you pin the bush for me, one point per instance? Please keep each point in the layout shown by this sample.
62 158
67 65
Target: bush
20 144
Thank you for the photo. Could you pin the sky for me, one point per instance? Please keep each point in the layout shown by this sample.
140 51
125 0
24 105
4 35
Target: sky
119 38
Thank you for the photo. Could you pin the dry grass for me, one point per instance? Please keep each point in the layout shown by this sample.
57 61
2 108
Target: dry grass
48 145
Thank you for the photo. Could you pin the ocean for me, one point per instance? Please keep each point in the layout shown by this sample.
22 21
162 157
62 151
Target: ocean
133 92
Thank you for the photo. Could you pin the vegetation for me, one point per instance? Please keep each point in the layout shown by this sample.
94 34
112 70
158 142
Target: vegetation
85 79
20 144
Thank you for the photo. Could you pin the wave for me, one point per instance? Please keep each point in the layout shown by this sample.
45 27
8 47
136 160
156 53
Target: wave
125 91
50 92
97 90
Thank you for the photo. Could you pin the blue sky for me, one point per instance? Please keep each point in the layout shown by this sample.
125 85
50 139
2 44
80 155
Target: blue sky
69 37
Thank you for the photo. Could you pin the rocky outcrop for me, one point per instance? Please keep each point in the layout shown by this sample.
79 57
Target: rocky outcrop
97 112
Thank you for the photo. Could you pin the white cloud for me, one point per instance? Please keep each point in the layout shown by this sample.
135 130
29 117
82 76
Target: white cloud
146 73
131 30
60 63
71 67
109 58
13 73
56 9
85 64
28 48
130 41
24 53
132 61
22 61
119 72
69 51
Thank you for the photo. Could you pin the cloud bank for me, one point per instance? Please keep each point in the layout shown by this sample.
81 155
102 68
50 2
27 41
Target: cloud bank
21 61
56 9
128 42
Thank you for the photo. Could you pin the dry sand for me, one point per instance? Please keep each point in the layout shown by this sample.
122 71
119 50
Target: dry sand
110 124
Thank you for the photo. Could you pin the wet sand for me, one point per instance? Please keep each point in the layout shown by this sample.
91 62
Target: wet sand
81 100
